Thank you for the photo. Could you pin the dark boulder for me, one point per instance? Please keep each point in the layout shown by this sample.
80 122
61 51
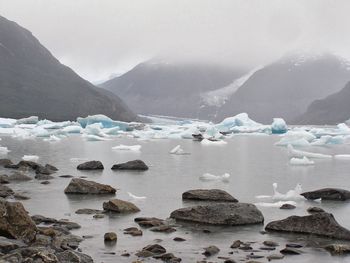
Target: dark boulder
135 165
220 214
208 195
120 206
81 186
335 194
322 224
5 191
91 165
15 222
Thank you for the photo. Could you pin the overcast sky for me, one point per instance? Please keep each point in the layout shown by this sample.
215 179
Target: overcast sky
100 37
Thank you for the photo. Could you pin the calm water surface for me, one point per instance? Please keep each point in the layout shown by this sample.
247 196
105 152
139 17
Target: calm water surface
253 162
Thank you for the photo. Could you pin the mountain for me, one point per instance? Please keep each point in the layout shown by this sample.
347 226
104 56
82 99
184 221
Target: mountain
175 89
333 109
287 87
34 82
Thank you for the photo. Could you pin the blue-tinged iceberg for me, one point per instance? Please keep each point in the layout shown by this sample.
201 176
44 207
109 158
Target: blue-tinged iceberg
278 126
105 121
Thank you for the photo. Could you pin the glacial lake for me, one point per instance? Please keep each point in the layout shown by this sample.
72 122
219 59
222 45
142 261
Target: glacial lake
253 162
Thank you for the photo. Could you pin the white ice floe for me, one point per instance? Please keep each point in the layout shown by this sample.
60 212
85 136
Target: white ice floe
301 161
136 197
52 138
296 138
122 147
209 142
73 129
4 150
291 195
211 177
7 123
300 154
32 158
29 120
92 138
275 204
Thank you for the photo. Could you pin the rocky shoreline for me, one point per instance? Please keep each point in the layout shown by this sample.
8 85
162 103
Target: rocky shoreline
36 238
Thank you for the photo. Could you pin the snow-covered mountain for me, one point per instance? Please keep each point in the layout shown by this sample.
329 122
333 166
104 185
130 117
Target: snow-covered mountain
287 87
331 110
171 88
34 82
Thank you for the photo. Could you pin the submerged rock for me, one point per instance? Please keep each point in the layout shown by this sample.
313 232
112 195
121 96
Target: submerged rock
210 251
322 224
5 191
315 209
335 194
287 206
155 249
220 214
120 206
81 186
110 236
136 165
4 179
19 176
15 222
208 195
88 211
149 221
91 165
133 231
5 162
38 219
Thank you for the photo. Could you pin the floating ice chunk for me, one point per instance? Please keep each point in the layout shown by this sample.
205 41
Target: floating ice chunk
7 123
327 139
136 197
95 129
40 132
91 137
29 120
241 119
293 194
301 161
52 138
177 150
72 129
292 141
343 127
209 142
211 177
300 154
105 121
31 158
279 126
276 204
342 156
112 131
4 150
123 147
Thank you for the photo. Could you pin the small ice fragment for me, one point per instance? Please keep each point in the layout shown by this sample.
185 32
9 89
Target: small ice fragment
301 161
123 147
293 194
29 120
342 157
211 177
209 142
4 150
136 197
31 158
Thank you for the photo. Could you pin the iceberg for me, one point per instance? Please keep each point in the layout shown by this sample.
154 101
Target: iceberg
278 126
105 121
7 123
31 158
29 120
241 119
177 150
40 132
291 195
94 129
301 161
301 154
296 138
122 147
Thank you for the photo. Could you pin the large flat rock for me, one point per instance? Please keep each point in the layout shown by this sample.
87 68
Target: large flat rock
81 186
208 195
230 214
328 194
322 224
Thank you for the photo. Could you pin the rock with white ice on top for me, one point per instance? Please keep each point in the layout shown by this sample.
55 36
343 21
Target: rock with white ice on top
122 147
211 177
301 161
279 126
